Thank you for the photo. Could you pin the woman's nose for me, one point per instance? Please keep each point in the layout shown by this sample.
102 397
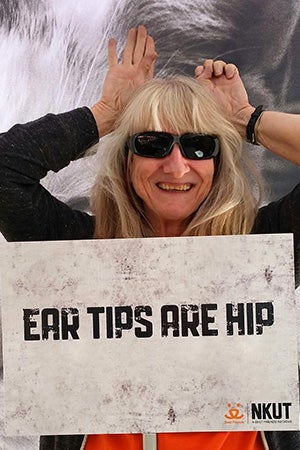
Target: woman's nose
175 163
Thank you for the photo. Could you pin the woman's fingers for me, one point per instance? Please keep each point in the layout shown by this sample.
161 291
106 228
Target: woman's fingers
149 58
198 71
205 71
137 45
230 70
140 44
150 47
112 53
218 68
211 68
129 46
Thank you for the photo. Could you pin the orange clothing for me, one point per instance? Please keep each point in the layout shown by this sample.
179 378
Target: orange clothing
239 440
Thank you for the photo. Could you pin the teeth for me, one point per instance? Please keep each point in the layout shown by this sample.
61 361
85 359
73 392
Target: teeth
175 187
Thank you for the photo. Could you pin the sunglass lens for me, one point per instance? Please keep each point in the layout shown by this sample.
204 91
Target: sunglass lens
153 145
198 146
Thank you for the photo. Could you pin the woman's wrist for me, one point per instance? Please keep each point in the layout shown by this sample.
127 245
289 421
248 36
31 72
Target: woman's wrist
105 117
241 120
257 129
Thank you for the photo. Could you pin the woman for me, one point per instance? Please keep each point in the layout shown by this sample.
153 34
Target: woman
154 181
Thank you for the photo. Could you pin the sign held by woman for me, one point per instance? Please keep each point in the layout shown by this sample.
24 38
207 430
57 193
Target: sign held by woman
150 335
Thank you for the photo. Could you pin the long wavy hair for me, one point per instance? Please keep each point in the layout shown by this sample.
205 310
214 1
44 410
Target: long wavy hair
183 105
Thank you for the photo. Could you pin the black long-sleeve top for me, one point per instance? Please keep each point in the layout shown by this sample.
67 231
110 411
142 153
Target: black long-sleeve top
28 212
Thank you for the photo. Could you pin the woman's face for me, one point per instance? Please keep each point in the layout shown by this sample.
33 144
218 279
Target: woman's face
171 188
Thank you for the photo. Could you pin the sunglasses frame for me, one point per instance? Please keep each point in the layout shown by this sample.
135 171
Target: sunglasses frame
176 139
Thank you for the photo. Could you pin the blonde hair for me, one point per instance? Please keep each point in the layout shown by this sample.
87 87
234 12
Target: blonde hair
183 105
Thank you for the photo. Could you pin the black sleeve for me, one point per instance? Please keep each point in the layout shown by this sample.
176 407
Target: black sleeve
283 216
28 212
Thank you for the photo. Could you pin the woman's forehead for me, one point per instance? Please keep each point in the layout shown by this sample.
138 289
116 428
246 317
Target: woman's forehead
159 115
164 124
168 128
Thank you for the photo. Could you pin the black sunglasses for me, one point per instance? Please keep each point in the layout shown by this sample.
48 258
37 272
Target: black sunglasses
158 144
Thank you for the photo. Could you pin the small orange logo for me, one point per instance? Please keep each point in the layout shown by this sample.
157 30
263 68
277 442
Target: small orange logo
234 412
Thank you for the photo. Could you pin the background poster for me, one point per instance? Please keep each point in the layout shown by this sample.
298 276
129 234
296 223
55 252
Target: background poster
53 58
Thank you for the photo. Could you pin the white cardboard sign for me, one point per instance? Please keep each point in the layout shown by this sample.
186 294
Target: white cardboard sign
149 335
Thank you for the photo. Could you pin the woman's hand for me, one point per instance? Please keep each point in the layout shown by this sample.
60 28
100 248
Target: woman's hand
226 86
122 78
276 131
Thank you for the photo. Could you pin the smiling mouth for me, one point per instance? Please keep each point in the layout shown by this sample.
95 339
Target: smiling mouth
174 187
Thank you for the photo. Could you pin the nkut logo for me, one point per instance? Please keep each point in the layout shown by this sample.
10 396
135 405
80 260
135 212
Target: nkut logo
270 411
279 412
